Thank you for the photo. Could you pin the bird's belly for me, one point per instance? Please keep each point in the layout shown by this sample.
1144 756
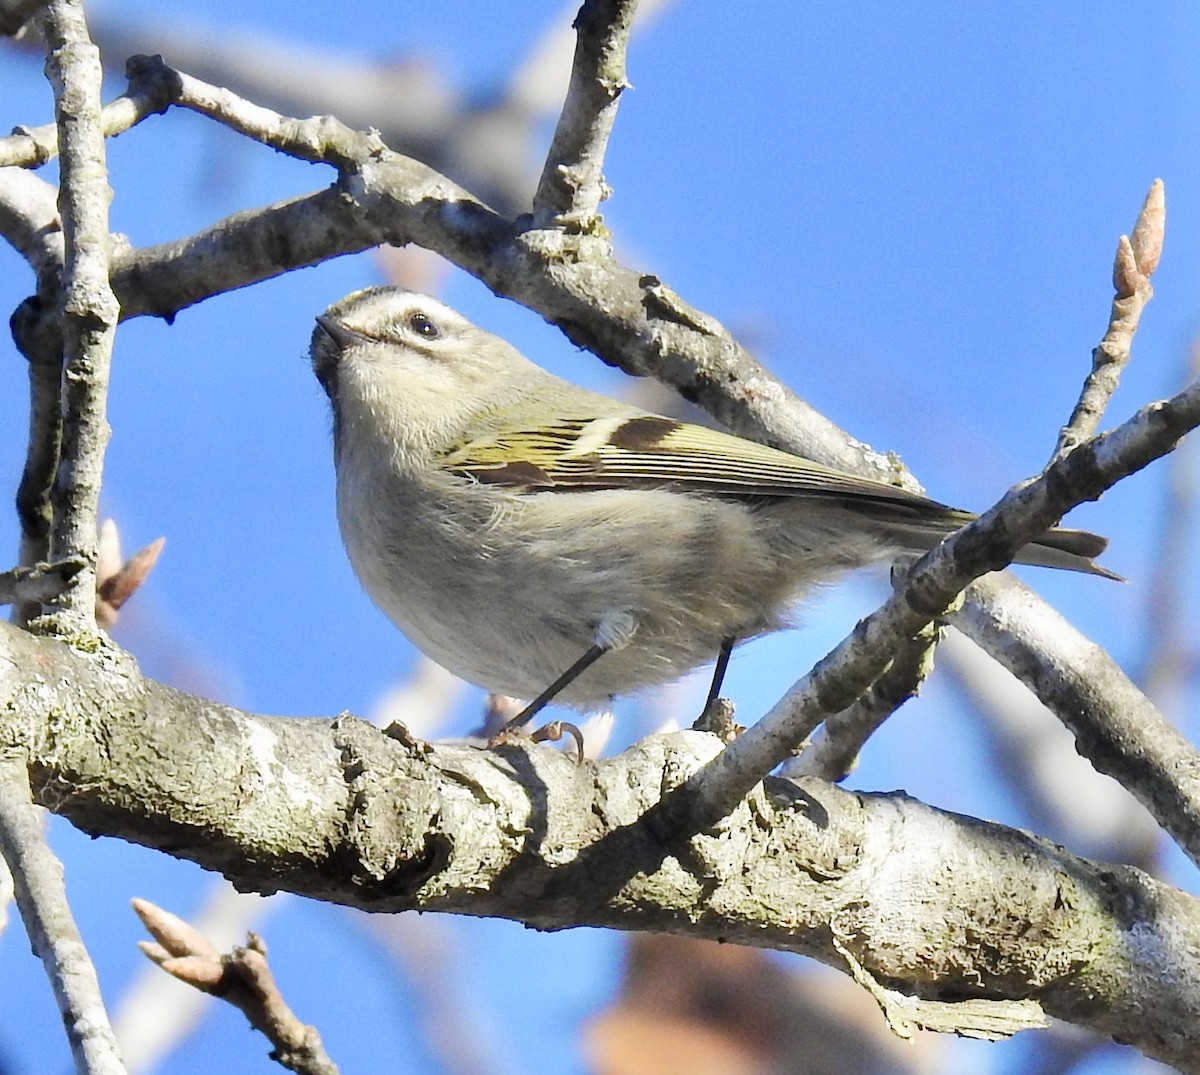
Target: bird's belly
509 597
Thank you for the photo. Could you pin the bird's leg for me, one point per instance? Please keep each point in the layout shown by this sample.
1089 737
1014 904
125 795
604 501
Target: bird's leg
719 670
613 632
593 654
717 714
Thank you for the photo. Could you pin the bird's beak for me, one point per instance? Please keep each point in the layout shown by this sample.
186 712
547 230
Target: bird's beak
341 336
329 340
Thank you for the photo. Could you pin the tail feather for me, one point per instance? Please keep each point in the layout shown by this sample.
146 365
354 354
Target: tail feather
1072 550
1068 550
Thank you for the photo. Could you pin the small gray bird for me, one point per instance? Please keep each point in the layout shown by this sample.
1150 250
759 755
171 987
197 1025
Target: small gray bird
543 541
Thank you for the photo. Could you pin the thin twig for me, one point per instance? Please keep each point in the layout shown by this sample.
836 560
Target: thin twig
1137 258
41 342
154 1017
41 583
31 147
833 752
572 184
29 220
88 306
42 901
321 139
242 978
985 545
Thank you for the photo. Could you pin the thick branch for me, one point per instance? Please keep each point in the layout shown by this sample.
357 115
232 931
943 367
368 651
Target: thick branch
928 903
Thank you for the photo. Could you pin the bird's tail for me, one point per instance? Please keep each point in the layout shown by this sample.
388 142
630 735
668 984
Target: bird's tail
1068 550
1072 550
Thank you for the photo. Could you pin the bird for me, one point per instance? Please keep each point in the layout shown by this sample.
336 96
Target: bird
550 543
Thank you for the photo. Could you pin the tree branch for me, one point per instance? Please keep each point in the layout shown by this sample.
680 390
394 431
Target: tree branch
930 904
1115 726
1136 260
985 545
42 900
29 220
31 147
88 307
243 978
833 751
572 185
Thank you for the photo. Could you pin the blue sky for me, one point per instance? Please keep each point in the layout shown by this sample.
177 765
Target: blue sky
908 212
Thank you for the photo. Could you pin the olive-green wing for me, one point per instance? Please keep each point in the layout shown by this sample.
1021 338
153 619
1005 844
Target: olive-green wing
649 451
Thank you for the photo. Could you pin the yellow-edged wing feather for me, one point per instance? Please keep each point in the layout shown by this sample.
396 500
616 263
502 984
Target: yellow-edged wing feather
632 450
623 451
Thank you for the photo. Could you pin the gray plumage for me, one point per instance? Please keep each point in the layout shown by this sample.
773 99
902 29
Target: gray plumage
506 520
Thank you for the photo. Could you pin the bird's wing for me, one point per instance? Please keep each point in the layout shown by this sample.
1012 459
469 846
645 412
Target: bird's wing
649 451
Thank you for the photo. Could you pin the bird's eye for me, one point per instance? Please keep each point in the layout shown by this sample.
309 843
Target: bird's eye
422 326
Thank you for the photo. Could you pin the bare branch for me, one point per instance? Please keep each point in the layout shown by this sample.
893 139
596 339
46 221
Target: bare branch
929 903
572 185
88 307
1115 726
153 1016
1136 260
833 752
30 147
29 221
984 545
42 900
40 584
1035 754
321 139
243 978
